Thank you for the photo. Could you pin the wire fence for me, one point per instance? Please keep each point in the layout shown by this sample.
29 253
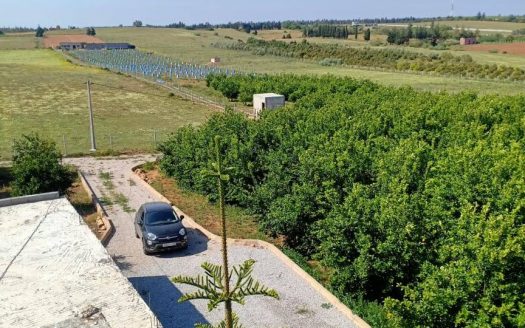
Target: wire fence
106 143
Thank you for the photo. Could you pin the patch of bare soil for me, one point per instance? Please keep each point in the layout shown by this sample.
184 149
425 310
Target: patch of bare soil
52 41
516 48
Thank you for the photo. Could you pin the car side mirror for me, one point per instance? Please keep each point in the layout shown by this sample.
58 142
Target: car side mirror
182 217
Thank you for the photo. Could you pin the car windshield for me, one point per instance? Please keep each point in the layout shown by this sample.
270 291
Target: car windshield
160 218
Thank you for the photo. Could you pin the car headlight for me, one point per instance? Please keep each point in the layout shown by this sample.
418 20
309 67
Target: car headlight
182 232
151 236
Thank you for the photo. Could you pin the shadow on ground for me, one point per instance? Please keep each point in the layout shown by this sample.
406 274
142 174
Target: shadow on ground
121 262
161 295
197 243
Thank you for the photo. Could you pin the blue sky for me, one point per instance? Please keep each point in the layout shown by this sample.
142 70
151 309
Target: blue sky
115 12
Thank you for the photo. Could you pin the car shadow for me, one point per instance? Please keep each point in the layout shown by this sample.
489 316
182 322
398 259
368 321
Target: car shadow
121 262
197 243
161 295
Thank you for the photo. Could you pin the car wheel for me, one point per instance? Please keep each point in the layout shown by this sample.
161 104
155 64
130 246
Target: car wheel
145 250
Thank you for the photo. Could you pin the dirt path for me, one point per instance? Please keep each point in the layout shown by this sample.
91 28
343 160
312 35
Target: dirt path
300 304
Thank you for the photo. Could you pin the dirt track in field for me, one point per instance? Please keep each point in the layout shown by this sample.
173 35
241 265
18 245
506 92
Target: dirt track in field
517 48
52 41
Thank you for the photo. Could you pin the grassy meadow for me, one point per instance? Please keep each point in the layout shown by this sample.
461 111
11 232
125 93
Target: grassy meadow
41 92
482 25
25 40
196 46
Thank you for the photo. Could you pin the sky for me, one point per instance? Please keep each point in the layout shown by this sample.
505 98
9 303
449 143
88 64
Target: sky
81 13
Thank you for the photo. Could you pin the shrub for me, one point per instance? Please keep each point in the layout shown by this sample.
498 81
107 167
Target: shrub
331 62
37 167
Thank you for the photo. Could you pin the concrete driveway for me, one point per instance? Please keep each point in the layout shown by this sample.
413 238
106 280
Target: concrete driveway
300 305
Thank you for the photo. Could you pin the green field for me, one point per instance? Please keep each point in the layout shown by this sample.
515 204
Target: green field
41 92
196 47
482 25
26 40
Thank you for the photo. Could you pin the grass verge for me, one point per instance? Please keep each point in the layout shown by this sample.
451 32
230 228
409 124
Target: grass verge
79 198
240 223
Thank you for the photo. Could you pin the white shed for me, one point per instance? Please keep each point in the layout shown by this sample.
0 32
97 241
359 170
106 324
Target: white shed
215 60
264 101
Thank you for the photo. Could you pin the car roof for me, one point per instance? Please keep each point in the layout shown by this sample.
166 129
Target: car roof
157 206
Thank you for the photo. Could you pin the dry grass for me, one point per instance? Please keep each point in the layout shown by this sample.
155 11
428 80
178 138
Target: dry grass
79 198
52 41
510 26
240 224
517 48
41 92
25 40
278 34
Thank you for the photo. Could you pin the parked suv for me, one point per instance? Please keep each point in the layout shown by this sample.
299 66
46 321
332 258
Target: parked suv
159 228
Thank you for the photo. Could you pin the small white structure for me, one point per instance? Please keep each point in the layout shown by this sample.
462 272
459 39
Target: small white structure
215 60
264 101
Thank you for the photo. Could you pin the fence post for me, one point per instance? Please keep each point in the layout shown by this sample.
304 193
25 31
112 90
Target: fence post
65 144
155 138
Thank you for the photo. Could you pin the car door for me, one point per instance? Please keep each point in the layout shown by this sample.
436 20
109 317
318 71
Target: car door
139 217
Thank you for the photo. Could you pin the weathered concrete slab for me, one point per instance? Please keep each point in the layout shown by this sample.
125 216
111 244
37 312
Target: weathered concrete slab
52 268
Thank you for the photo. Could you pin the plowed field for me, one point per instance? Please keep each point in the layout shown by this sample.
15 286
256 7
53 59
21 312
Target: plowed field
52 41
517 48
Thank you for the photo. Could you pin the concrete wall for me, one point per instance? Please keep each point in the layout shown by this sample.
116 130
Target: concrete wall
106 236
262 101
29 199
274 102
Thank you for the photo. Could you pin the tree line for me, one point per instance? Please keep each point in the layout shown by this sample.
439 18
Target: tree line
410 200
391 59
327 31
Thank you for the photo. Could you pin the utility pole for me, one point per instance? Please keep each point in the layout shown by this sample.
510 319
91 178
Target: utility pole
91 124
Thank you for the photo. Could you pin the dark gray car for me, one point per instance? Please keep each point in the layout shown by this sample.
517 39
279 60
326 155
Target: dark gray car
159 228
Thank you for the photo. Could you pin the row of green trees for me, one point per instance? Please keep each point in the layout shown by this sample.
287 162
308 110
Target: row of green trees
393 59
434 34
327 31
411 199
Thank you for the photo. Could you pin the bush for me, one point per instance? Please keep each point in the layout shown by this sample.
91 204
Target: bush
37 167
331 62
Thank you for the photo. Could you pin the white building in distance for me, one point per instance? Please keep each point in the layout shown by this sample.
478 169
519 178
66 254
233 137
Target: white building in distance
264 101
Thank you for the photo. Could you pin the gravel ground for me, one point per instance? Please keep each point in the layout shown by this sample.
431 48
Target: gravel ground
299 306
